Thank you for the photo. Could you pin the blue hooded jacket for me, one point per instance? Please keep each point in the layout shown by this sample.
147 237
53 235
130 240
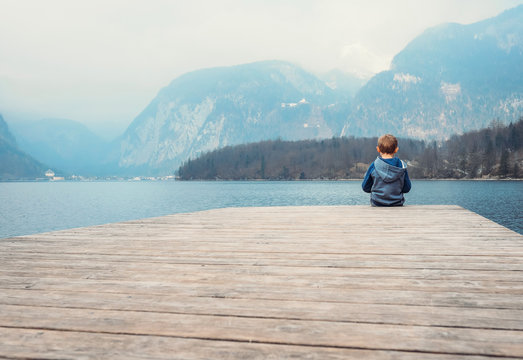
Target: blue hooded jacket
387 180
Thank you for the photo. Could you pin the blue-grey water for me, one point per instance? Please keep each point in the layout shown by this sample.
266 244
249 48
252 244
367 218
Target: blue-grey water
29 207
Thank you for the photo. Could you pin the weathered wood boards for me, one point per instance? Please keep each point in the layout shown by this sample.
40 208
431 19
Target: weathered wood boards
431 282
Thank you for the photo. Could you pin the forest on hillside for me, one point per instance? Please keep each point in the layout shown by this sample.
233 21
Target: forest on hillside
493 152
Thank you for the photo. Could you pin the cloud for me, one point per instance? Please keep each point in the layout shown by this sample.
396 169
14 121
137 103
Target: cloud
101 62
357 59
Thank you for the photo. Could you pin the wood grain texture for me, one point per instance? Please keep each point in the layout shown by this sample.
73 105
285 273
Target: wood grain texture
325 282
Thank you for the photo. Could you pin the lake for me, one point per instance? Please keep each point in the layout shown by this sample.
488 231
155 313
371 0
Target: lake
33 207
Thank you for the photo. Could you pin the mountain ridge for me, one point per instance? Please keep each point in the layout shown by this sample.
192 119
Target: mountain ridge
15 164
451 78
63 144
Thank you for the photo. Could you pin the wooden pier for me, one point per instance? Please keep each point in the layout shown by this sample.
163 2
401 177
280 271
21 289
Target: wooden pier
339 282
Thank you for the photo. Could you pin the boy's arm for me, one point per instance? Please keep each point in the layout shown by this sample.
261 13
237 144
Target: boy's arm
406 184
366 185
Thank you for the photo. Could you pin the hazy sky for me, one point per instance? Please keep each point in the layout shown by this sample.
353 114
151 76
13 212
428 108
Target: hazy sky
101 62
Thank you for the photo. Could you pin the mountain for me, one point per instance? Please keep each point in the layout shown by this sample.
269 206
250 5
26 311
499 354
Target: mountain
450 79
211 108
65 145
14 163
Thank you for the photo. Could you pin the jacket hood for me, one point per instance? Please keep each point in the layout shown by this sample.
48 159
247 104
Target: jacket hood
387 172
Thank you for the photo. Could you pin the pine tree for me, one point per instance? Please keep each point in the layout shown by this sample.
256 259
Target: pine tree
503 163
516 172
262 167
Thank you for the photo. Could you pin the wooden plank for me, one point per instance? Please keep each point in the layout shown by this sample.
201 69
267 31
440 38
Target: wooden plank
28 343
241 291
358 266
17 266
272 331
392 314
318 247
258 280
309 259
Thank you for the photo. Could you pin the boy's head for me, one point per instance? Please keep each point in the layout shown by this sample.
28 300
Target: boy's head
387 144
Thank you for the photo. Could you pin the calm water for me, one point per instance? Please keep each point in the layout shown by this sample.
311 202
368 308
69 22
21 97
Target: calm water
27 208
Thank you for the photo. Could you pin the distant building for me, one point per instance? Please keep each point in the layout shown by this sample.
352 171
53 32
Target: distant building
302 101
49 173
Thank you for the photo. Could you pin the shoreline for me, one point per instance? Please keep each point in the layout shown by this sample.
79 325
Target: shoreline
240 180
357 179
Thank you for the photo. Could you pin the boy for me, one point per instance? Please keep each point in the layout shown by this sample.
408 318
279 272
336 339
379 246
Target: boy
387 178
